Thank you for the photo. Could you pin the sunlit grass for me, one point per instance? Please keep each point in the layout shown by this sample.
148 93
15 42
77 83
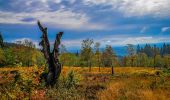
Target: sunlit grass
107 70
128 83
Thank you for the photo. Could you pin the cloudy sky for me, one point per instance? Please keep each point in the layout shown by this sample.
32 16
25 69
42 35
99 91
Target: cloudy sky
113 22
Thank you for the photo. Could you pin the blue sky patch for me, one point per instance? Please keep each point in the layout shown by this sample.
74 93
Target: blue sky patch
113 22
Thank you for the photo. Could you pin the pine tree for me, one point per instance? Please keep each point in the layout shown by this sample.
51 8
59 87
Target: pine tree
163 49
1 40
154 57
138 49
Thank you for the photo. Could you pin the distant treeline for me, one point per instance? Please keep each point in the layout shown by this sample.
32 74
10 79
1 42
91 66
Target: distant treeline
151 50
148 56
91 55
24 53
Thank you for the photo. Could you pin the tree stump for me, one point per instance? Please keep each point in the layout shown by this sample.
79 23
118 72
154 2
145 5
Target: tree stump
54 66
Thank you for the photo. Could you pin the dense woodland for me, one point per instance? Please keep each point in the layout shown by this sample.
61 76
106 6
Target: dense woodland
24 53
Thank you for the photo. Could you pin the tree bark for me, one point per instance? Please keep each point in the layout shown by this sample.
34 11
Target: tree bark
99 62
54 66
112 70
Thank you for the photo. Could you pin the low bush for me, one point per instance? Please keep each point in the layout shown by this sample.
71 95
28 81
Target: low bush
65 89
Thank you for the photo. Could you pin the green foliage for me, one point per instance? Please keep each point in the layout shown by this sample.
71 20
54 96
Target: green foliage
23 53
97 56
70 80
2 57
131 53
130 49
21 56
10 57
108 57
21 87
86 51
151 51
148 57
65 89
69 59
167 71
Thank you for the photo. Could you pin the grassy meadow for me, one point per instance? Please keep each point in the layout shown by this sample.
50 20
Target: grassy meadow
75 83
84 50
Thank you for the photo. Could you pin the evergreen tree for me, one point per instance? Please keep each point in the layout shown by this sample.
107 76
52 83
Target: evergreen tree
155 53
1 40
138 49
77 53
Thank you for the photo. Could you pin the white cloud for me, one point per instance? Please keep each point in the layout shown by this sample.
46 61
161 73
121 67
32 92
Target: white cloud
123 40
164 29
114 40
22 41
143 29
155 8
117 40
60 18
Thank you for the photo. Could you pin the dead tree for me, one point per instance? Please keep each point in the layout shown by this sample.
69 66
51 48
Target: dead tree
54 66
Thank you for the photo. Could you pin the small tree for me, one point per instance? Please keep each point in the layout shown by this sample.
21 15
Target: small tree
87 52
97 53
108 57
131 53
63 54
2 58
124 61
155 53
28 50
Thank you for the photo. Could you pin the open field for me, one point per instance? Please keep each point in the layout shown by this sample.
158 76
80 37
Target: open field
128 83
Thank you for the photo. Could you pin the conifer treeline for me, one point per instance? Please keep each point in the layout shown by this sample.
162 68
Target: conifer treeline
150 51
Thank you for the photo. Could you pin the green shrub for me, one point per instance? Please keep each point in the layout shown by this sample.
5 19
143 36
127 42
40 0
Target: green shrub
65 88
70 80
167 71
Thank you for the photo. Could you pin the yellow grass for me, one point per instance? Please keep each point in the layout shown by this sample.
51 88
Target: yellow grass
107 70
127 84
65 69
130 89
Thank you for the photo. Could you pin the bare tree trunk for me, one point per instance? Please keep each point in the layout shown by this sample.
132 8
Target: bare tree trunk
131 62
112 70
99 67
99 63
54 66
89 65
154 61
